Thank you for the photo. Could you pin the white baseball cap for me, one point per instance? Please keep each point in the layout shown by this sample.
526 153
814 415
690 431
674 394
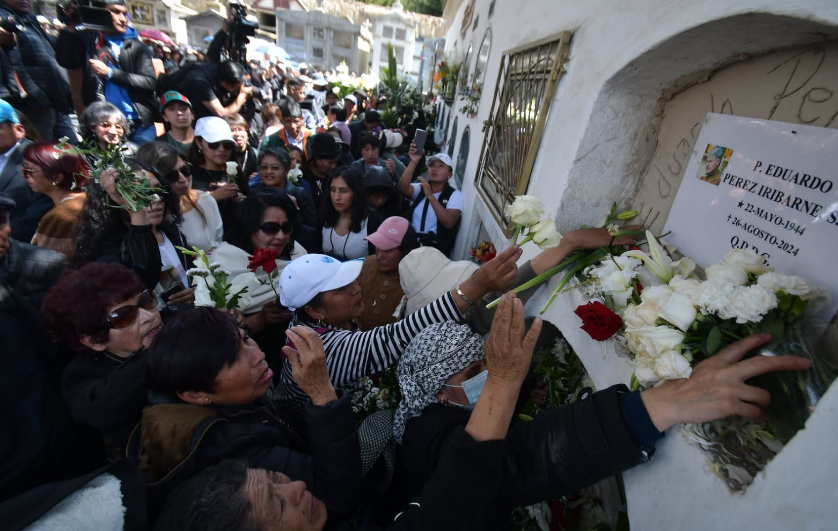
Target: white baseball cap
310 274
442 157
213 129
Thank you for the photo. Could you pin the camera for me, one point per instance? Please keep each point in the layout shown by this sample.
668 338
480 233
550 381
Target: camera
11 24
241 27
83 13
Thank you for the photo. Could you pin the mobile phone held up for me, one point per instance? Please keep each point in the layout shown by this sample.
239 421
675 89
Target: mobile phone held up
419 139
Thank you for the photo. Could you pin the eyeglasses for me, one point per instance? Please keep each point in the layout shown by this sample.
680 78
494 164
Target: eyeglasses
174 175
27 170
125 316
274 167
107 126
229 146
272 227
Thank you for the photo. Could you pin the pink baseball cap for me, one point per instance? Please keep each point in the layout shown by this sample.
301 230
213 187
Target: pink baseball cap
390 233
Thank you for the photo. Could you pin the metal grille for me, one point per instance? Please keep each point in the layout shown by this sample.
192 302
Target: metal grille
525 87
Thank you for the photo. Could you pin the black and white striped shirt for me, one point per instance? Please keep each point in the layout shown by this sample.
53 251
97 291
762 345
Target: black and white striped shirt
353 354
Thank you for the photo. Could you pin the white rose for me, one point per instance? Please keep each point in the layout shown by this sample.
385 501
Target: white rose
730 273
232 168
793 285
748 304
638 316
525 210
687 287
679 311
652 341
644 371
671 365
748 260
545 234
656 296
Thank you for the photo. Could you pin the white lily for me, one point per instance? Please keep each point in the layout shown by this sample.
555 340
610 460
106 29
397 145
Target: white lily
659 262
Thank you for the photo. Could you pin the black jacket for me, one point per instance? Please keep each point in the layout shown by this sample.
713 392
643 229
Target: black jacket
31 271
558 453
138 249
37 439
177 440
463 484
37 71
107 393
135 72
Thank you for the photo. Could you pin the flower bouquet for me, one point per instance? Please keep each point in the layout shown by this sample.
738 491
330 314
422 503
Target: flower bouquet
379 392
669 318
213 289
136 190
484 252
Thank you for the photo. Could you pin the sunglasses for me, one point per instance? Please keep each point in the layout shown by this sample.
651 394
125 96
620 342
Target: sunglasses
229 146
272 227
174 175
125 316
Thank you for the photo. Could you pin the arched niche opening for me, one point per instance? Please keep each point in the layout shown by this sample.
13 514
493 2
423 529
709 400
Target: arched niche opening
623 131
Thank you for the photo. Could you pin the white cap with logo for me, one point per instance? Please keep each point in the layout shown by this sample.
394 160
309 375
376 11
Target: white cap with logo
310 274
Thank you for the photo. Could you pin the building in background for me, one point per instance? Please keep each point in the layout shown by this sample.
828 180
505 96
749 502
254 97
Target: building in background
323 40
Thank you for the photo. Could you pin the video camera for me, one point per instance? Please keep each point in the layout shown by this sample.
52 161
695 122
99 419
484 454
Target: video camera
239 29
83 13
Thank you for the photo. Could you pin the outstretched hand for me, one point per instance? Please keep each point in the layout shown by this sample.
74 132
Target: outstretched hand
308 364
510 347
498 273
717 388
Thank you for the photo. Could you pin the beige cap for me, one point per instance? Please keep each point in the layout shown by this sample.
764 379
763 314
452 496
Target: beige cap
426 274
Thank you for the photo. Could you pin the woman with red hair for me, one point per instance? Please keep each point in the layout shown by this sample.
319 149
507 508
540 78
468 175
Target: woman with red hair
59 174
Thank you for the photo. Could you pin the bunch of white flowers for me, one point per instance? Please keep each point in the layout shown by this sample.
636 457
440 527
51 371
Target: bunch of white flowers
526 214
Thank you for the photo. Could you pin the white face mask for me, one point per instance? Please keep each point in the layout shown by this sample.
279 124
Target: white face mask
472 388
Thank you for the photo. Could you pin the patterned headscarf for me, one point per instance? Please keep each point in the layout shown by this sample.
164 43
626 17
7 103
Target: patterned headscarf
437 353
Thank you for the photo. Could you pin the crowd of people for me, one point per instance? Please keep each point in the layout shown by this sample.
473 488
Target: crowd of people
128 406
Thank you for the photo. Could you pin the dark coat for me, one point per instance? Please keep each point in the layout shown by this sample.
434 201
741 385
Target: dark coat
465 482
558 453
37 439
357 129
36 68
135 73
107 393
30 207
138 249
31 271
177 440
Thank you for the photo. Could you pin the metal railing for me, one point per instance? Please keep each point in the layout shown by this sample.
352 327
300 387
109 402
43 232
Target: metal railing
527 81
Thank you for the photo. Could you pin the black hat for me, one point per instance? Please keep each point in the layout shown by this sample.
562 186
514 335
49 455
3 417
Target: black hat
6 202
322 146
372 117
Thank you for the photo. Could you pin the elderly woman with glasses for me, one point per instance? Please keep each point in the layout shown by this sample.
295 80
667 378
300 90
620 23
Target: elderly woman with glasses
104 125
105 384
201 219
265 221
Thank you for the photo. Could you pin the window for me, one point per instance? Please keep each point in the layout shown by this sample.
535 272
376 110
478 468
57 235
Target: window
387 31
266 20
462 158
384 52
401 34
318 33
399 54
453 136
295 31
343 39
527 81
318 53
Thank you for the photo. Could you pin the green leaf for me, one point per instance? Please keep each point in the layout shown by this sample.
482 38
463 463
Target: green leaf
714 341
525 417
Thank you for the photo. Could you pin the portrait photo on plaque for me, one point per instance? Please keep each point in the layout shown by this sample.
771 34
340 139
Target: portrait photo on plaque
713 164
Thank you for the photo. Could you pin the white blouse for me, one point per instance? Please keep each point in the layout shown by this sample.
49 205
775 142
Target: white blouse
349 247
203 236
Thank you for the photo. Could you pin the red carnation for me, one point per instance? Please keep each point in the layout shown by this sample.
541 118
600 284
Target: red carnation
264 258
598 320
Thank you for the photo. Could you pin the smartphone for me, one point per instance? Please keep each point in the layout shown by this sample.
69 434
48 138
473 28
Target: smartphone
177 288
419 139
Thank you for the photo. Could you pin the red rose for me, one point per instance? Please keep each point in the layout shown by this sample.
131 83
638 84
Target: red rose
598 320
264 258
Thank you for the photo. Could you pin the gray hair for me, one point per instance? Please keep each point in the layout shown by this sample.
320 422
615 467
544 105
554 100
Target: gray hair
98 112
